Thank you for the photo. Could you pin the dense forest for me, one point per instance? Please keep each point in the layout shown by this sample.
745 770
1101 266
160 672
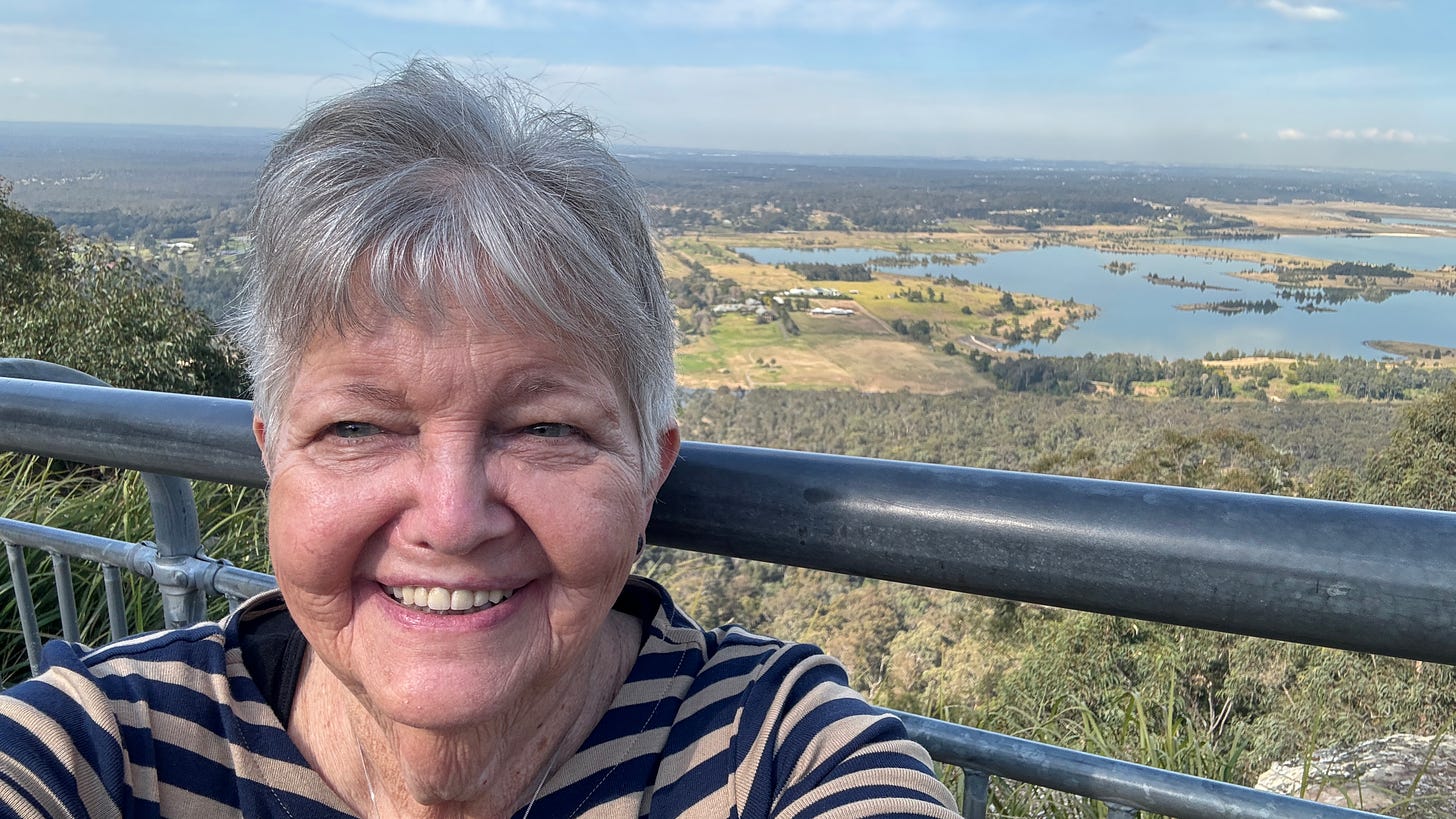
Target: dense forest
1120 372
765 192
86 305
1031 432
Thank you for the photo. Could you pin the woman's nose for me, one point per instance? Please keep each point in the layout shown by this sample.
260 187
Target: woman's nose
456 503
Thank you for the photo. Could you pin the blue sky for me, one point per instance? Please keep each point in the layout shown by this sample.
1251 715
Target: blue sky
1332 83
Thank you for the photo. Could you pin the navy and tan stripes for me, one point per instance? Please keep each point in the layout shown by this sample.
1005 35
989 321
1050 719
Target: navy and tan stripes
713 724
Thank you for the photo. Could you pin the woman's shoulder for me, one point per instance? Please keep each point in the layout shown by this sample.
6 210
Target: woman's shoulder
777 722
188 671
723 651
164 722
168 657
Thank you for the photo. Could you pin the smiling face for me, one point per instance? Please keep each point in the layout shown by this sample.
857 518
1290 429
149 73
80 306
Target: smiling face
453 509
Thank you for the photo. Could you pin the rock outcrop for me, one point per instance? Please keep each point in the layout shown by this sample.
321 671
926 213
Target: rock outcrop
1403 775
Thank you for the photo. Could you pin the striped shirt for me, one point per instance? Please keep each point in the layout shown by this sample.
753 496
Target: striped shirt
719 723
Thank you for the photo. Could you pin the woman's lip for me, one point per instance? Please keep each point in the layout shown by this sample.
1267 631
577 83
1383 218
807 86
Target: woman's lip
500 584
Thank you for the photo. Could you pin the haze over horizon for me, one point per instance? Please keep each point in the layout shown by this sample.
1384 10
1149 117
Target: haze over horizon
1336 83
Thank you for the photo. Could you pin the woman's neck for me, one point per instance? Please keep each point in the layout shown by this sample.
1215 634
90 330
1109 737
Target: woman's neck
491 769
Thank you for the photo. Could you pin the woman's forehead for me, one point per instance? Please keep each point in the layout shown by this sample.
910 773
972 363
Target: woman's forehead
458 351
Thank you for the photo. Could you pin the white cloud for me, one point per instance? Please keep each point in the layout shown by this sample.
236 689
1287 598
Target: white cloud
865 112
1290 134
481 13
814 15
795 109
1388 135
1398 135
1304 11
79 75
800 14
20 40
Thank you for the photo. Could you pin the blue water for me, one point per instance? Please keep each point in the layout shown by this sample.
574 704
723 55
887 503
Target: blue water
1411 252
1139 317
1413 221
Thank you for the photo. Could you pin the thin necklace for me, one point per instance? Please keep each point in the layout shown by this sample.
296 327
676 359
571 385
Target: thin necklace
364 766
374 805
544 776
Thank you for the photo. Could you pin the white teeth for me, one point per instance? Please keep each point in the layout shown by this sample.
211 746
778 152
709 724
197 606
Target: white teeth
440 599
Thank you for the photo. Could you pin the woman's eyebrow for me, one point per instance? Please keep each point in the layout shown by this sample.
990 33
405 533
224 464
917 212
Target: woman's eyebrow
530 383
375 395
535 384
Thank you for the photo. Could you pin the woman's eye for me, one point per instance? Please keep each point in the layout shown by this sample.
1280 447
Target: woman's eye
352 429
549 430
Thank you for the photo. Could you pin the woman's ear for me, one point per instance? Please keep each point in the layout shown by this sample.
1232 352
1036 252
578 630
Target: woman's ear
260 434
667 454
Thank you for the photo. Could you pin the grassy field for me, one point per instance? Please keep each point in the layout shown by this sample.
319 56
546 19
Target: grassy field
859 352
1336 217
847 352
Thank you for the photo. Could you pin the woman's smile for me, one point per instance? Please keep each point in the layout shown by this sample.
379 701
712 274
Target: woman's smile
440 600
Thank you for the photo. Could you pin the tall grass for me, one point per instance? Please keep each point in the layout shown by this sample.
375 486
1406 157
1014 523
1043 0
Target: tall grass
1156 733
114 504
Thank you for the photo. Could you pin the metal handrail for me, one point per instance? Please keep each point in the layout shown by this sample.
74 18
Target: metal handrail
1274 567
174 516
203 574
1113 781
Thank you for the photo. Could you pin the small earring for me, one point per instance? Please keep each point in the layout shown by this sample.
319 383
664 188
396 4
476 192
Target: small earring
641 544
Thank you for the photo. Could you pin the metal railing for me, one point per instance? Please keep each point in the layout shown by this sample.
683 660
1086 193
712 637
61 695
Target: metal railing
174 560
1284 568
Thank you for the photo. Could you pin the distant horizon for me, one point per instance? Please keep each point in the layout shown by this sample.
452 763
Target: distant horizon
628 151
1355 84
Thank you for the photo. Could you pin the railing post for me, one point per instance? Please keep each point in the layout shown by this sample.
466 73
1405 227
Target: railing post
1122 812
115 602
178 543
975 793
24 605
65 596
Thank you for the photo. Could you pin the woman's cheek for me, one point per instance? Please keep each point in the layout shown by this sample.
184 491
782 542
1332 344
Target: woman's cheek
323 525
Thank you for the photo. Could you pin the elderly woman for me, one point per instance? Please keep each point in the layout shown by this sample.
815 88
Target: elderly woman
462 356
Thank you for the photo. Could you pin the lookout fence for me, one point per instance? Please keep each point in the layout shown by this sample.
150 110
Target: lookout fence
1348 576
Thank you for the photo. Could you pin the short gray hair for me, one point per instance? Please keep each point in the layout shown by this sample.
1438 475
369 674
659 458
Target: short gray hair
428 191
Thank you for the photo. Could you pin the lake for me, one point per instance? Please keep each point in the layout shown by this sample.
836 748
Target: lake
1137 316
1441 223
1411 252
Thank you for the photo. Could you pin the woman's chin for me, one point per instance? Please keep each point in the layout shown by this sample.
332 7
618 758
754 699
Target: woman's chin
443 671
442 697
